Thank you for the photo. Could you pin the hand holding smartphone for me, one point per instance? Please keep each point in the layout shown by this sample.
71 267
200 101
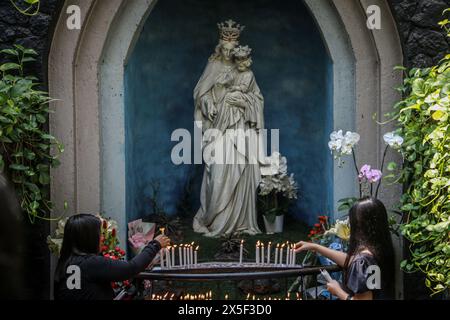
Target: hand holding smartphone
326 275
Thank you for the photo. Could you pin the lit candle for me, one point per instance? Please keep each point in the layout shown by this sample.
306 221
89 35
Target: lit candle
173 255
185 255
268 252
191 254
167 250
277 250
196 256
288 253
262 253
281 253
257 252
180 255
241 252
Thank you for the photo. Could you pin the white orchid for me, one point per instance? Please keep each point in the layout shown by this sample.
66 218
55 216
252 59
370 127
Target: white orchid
343 144
393 140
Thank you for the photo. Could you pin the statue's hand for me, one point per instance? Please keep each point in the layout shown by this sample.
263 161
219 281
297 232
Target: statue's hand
235 99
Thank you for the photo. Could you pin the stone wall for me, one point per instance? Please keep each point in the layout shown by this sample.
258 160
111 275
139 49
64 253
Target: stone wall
30 31
424 42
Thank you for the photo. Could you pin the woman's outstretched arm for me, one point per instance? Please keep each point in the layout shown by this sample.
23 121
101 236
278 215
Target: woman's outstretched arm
106 269
337 256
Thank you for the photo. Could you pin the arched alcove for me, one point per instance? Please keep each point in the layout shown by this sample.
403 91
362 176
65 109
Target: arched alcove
293 70
87 72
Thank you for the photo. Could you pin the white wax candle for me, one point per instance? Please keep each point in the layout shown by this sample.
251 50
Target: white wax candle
257 253
173 255
191 253
262 253
196 256
184 256
167 258
281 254
180 255
295 257
277 250
268 252
241 252
161 258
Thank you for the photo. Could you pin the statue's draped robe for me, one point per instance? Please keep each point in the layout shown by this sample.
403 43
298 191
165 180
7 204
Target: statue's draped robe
229 190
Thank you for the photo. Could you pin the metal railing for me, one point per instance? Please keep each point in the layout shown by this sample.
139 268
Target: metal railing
305 279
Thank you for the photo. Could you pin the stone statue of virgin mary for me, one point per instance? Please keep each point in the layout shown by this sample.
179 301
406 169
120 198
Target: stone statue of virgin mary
227 97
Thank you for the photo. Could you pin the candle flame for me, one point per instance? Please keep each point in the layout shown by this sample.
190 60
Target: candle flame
196 249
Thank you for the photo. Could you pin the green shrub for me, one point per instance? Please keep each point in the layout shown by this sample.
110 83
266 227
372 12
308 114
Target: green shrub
25 145
424 120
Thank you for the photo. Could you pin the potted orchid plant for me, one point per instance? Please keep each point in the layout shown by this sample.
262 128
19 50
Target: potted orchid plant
369 178
277 190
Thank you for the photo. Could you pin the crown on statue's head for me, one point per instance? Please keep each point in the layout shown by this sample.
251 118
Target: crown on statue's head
242 52
230 30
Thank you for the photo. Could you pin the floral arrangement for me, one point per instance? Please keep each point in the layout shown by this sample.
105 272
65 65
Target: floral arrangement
334 236
277 188
277 180
109 245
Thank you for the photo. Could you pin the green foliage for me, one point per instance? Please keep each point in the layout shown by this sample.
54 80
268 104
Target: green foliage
31 9
424 119
24 143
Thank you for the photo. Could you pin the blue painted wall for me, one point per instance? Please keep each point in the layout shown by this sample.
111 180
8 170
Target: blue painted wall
291 65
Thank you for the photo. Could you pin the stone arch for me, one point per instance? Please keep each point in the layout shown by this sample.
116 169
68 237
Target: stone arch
86 69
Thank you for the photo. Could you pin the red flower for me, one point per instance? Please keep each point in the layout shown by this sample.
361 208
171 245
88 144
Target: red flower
107 255
104 248
117 249
113 233
126 283
317 225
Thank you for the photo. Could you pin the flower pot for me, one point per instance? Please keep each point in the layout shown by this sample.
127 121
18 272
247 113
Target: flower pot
274 227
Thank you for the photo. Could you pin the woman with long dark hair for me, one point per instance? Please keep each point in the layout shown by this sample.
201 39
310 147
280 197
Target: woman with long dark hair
370 251
80 253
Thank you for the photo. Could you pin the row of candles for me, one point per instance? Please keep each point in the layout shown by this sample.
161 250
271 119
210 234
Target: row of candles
168 296
187 256
208 296
263 254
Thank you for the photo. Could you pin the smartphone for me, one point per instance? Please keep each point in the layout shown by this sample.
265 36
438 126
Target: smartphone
326 275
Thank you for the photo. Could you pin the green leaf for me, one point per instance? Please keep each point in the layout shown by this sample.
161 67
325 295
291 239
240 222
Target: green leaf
392 166
9 66
18 167
44 178
10 52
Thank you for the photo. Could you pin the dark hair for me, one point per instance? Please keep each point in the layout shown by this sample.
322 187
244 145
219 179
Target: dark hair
369 230
11 244
81 237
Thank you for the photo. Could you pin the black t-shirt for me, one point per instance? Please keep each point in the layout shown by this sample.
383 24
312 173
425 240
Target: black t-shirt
97 273
358 274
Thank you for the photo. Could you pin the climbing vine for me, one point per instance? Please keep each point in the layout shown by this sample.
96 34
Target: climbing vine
424 123
31 7
25 145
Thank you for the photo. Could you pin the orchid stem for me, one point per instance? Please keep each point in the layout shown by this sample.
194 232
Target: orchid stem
382 169
357 170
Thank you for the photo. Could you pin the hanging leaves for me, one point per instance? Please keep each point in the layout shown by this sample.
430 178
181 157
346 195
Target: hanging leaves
25 145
